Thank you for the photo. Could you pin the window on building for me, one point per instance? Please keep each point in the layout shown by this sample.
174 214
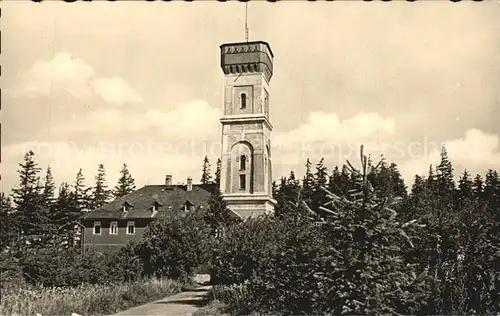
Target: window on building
243 162
243 101
130 228
243 182
97 228
113 228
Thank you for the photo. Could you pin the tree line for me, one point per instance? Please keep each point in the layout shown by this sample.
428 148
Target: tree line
37 212
437 240
342 241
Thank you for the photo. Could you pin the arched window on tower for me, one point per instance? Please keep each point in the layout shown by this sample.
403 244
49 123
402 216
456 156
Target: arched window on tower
243 162
243 101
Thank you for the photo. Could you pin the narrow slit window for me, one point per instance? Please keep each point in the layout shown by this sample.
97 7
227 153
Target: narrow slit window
243 182
243 100
243 162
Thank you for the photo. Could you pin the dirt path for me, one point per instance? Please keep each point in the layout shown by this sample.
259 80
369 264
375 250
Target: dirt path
185 303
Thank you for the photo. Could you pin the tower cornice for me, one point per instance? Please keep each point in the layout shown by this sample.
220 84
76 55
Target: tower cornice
246 118
247 57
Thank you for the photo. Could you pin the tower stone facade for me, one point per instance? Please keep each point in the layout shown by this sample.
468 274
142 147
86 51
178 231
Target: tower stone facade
246 165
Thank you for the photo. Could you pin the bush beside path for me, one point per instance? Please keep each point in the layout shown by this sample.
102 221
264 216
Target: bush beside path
185 303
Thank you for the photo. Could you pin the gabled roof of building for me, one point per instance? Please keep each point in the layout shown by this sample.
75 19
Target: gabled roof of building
139 204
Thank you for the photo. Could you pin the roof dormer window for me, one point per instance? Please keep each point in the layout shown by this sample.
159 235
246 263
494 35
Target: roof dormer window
155 206
126 206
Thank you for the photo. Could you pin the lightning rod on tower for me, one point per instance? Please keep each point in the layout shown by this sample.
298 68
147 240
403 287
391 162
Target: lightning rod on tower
246 19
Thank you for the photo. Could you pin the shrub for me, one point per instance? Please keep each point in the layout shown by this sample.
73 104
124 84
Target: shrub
174 247
127 265
286 279
85 299
237 253
51 267
348 260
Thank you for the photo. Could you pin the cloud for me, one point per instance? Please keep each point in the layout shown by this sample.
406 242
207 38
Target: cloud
62 72
65 72
476 151
116 91
324 135
190 120
327 127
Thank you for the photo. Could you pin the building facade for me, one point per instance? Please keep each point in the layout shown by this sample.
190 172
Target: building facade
246 161
125 219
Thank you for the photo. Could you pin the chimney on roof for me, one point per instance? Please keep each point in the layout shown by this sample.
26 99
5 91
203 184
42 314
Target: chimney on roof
168 179
189 184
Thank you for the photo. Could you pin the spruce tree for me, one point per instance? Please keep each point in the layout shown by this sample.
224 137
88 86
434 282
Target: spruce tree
287 194
280 197
100 192
491 189
66 215
8 223
397 181
444 174
478 187
81 193
218 216
125 185
334 181
367 244
308 183
217 172
320 181
49 189
28 199
206 177
465 189
321 175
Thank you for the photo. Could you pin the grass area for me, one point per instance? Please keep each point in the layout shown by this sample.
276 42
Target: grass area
214 308
85 299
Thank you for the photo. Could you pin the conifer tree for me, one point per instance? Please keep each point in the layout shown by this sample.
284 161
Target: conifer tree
218 216
414 203
398 184
65 216
206 177
217 172
491 191
431 180
100 192
292 187
125 185
477 187
321 175
81 193
465 189
8 223
287 194
334 181
28 199
446 183
365 228
49 189
308 183
320 181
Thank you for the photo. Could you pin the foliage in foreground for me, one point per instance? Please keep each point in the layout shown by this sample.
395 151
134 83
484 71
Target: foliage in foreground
85 299
358 250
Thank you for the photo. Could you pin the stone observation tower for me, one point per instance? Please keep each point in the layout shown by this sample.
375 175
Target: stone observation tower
246 168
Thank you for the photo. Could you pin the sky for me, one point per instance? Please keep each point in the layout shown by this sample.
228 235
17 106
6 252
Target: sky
140 83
